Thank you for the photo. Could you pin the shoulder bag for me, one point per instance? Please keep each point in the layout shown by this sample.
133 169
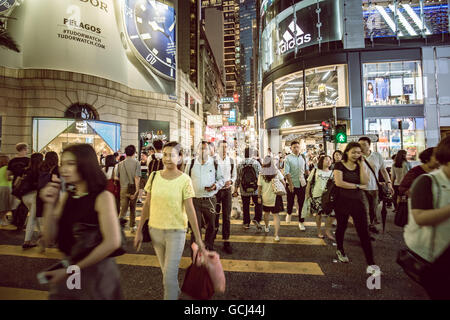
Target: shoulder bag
383 190
145 232
415 266
113 185
278 187
131 188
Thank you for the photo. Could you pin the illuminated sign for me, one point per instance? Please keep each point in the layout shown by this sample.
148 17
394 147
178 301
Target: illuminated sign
227 100
292 37
232 117
214 120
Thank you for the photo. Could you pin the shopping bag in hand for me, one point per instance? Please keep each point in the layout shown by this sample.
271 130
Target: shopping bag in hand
212 263
197 282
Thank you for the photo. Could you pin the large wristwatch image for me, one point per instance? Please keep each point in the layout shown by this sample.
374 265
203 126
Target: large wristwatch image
147 29
6 8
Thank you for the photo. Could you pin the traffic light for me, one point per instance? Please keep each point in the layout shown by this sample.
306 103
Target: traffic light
236 97
326 129
341 133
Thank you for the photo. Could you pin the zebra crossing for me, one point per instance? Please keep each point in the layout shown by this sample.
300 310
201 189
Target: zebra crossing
234 264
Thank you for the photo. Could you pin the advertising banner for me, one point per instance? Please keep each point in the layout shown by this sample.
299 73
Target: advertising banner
214 120
297 27
128 41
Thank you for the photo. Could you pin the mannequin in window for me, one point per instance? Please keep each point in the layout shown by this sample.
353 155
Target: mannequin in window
369 93
322 92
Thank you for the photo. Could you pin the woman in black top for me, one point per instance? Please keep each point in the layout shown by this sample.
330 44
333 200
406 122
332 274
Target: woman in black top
29 199
351 178
89 203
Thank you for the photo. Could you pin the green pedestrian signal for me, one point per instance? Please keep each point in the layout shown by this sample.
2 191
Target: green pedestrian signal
341 137
341 134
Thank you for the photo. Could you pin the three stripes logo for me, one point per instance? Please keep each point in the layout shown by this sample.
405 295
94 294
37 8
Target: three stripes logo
292 37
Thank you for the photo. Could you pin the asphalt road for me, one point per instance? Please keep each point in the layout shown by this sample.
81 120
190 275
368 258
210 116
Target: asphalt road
338 281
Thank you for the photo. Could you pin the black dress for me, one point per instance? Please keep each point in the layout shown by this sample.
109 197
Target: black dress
98 282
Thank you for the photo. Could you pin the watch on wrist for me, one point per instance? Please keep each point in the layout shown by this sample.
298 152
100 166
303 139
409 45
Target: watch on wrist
6 8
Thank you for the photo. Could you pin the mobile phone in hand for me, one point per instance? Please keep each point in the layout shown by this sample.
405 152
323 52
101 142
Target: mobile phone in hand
44 279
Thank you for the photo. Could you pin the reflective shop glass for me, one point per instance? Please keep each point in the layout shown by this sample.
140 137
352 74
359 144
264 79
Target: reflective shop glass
56 134
412 18
325 87
393 83
396 134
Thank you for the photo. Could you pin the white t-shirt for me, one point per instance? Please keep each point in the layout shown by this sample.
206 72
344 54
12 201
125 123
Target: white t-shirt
376 161
268 196
320 182
109 173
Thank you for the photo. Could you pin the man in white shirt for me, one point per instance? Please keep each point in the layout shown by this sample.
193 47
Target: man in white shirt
376 162
224 197
207 180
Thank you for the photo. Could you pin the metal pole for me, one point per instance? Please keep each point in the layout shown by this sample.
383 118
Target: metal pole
400 126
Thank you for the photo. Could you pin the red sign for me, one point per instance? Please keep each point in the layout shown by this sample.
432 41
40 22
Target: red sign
236 97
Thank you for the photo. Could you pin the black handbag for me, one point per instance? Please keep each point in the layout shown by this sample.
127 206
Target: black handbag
131 187
88 236
22 185
401 217
145 232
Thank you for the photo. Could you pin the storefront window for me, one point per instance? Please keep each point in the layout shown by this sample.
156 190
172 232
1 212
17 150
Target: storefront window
393 83
268 104
326 87
289 93
397 134
56 134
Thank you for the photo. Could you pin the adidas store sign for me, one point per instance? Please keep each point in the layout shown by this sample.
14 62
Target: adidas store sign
292 37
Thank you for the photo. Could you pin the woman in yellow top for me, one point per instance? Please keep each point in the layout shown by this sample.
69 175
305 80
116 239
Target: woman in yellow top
170 207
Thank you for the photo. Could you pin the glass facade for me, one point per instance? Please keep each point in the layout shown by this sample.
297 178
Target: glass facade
410 18
396 134
393 83
51 134
325 87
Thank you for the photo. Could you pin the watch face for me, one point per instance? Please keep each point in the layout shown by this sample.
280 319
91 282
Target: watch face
6 5
150 27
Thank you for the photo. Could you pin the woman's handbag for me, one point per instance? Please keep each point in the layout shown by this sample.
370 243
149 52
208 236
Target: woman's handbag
145 232
88 236
401 217
113 186
212 262
278 187
197 281
22 185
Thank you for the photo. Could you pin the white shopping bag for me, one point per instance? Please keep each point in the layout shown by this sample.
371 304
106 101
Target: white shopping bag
306 210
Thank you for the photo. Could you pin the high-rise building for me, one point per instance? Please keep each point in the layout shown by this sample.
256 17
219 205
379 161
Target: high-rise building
231 40
247 19
213 27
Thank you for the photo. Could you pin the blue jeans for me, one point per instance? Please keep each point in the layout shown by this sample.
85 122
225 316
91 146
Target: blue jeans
169 246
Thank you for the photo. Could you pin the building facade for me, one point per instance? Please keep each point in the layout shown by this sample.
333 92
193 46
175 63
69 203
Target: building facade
374 66
110 85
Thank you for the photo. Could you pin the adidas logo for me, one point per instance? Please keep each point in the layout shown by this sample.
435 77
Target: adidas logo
292 37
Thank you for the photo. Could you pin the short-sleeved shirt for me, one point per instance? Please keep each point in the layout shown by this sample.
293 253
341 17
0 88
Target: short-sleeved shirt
268 196
4 182
128 169
17 166
410 177
376 161
320 182
167 210
421 194
295 166
349 176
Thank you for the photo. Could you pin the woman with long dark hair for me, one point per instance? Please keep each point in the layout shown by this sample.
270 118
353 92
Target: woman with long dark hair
399 170
32 176
337 157
88 203
351 178
110 171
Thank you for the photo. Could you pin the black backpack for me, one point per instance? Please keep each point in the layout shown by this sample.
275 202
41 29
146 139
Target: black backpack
249 179
329 197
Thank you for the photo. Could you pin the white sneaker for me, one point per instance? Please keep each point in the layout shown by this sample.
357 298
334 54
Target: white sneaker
288 218
133 230
234 214
301 226
342 257
277 239
267 229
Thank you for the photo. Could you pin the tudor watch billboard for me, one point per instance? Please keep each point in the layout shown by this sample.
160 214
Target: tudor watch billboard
303 24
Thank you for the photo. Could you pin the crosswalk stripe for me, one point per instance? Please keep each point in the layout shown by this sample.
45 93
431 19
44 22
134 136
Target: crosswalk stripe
7 293
252 266
267 239
282 223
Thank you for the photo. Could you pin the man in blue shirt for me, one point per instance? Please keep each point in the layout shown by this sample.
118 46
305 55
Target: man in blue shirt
207 180
295 169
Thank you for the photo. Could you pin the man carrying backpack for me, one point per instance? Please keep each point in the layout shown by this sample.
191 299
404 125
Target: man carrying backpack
207 180
223 197
247 179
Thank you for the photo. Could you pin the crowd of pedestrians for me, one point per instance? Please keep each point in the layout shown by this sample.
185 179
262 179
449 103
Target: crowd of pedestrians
192 193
